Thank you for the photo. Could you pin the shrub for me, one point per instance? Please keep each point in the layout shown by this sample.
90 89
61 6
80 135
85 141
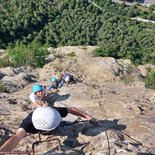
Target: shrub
2 87
100 52
24 55
71 54
106 52
150 79
38 54
4 62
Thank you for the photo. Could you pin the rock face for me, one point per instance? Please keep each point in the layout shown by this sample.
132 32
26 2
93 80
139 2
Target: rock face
125 112
17 78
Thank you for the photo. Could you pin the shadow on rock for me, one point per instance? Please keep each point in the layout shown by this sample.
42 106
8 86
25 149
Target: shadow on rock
61 97
55 97
4 134
103 125
72 129
30 78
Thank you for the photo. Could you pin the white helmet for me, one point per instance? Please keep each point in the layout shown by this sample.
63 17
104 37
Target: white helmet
46 118
67 78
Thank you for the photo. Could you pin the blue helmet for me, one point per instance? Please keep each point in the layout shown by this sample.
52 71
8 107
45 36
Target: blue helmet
37 88
53 79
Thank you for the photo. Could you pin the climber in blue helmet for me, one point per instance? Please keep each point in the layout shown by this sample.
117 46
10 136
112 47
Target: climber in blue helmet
55 85
37 96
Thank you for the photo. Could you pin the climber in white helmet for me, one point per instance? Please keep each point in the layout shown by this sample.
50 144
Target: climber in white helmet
42 119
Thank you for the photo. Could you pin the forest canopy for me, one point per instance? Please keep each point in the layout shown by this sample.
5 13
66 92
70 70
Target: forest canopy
80 22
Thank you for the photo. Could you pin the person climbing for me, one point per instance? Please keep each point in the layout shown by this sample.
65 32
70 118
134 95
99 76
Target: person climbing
42 119
38 96
55 85
67 78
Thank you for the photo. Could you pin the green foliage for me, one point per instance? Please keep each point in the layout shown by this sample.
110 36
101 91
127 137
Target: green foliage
4 62
38 54
77 22
150 79
152 7
2 87
33 54
100 52
106 52
71 54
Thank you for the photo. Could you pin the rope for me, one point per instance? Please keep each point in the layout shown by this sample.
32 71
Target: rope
108 141
63 124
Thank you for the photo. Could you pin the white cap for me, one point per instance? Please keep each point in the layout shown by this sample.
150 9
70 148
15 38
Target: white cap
46 118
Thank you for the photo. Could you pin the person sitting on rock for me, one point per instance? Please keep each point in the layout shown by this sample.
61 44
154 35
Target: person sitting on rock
67 78
55 85
42 119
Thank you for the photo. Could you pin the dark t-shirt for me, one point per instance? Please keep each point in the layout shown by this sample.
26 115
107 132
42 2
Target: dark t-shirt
27 124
